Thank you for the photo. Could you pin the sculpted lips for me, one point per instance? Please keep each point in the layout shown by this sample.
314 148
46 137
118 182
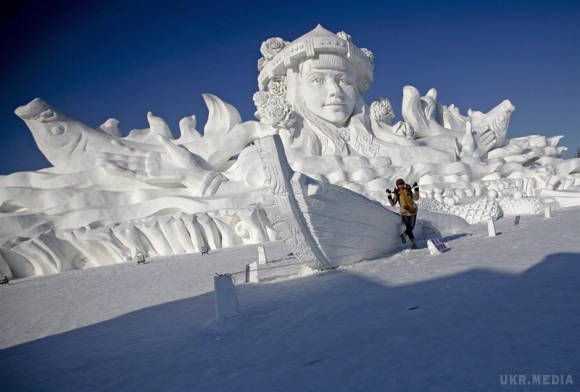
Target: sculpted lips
335 103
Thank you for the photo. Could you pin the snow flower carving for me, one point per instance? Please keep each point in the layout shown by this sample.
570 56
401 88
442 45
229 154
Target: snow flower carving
273 110
261 99
382 111
404 129
271 47
277 86
344 134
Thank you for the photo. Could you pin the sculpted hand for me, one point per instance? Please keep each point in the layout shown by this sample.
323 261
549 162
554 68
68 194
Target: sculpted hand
171 164
486 140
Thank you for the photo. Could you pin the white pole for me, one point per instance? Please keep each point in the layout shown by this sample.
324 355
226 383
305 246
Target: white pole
226 298
262 259
491 228
548 212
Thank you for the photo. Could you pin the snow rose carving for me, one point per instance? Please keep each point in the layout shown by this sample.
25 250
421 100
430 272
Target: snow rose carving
382 111
271 47
404 129
273 110
277 86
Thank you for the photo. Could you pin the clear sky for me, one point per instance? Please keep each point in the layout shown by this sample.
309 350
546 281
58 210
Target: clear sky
97 59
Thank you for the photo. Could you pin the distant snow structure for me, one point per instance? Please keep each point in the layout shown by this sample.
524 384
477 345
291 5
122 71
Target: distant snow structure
311 172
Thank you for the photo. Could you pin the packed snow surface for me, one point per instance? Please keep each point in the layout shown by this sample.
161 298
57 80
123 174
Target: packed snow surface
408 322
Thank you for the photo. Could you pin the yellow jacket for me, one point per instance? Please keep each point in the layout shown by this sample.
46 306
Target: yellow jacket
406 199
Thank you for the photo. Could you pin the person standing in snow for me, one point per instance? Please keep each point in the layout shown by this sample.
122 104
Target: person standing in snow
406 196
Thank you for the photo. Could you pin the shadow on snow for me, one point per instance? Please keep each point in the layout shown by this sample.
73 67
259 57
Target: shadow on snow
333 331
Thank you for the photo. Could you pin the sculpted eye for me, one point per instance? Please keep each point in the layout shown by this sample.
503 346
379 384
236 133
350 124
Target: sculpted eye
317 80
344 81
57 130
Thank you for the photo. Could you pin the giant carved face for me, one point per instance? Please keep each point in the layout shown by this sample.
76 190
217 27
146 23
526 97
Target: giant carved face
328 89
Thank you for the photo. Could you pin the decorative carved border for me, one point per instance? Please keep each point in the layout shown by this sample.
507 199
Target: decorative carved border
281 206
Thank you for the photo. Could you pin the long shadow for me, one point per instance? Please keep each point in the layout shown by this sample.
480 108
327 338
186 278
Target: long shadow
331 332
453 237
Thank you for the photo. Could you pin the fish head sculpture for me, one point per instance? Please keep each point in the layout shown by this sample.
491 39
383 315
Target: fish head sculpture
63 141
500 120
495 122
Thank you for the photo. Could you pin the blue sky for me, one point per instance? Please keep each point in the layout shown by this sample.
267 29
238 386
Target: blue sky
93 60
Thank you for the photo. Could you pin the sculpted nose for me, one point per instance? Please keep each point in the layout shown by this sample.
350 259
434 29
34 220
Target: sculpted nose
332 87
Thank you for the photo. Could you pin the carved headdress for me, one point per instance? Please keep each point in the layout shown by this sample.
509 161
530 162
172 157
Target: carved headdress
280 55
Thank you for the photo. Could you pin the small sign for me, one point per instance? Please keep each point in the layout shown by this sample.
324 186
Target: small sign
436 246
140 258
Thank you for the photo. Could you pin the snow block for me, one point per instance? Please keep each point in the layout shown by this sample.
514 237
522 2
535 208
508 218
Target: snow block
262 255
491 228
252 273
226 298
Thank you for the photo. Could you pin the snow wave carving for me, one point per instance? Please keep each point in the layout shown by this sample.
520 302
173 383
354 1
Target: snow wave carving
56 251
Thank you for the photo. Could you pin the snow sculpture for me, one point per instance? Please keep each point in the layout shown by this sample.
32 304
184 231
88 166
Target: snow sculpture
312 171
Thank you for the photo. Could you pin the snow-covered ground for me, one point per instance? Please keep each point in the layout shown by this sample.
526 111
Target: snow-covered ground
410 322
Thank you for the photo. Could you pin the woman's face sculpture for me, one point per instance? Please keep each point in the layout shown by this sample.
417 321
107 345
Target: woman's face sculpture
328 92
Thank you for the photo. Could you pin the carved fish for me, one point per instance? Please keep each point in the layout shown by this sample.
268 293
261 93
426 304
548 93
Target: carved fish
497 120
71 145
68 144
429 118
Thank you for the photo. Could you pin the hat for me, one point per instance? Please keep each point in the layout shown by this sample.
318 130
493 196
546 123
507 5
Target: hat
280 55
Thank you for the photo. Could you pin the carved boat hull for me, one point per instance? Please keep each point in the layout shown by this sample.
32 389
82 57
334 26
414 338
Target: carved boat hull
323 225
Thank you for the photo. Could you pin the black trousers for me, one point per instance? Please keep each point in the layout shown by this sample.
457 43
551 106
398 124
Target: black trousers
409 222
